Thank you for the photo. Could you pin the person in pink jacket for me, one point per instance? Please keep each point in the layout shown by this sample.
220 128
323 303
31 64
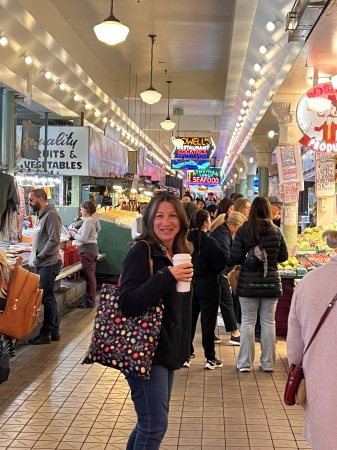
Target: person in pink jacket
310 300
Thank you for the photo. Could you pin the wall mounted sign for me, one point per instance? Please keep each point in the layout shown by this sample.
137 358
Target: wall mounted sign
325 175
319 128
189 164
194 148
210 176
289 163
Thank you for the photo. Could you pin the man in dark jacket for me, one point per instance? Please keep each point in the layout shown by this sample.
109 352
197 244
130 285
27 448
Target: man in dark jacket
45 257
276 206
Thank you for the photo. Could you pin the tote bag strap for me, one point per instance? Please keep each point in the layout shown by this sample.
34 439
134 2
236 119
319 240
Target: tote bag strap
320 323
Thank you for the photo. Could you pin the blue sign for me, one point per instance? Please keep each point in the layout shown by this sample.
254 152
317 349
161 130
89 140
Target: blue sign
189 164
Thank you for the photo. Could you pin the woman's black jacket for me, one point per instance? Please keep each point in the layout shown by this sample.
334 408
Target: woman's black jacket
139 290
224 237
208 262
252 283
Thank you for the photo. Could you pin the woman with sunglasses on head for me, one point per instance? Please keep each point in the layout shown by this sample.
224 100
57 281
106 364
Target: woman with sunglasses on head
164 229
208 261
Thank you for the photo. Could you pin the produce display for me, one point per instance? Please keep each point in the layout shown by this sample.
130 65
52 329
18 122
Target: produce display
120 217
311 252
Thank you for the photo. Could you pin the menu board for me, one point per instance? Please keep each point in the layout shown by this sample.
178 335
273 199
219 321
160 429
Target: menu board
289 215
290 192
325 175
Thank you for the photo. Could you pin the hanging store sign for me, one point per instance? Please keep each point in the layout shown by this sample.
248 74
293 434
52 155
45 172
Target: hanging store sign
210 176
319 125
190 164
67 151
194 148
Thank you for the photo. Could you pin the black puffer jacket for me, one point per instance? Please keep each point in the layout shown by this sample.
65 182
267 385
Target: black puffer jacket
252 283
139 290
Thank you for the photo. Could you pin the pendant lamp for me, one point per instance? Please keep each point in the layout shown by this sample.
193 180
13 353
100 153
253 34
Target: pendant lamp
168 124
111 31
151 96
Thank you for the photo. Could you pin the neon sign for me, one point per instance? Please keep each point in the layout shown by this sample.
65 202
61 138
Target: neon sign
194 148
189 164
210 176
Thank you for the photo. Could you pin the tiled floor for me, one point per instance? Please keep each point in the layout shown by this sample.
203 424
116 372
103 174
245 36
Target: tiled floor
53 402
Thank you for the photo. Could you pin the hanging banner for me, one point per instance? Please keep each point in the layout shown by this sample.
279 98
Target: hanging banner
30 140
67 151
319 127
325 175
107 157
289 163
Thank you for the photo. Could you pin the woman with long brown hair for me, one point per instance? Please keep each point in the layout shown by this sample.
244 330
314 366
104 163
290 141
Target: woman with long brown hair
164 229
260 287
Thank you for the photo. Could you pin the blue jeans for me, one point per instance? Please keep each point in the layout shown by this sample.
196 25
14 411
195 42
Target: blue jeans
267 309
51 318
151 399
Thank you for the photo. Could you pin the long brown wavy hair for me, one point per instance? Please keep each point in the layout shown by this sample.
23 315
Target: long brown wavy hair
5 273
180 243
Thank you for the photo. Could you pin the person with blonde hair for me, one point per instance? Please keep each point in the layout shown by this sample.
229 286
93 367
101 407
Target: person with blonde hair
6 342
243 206
223 229
309 301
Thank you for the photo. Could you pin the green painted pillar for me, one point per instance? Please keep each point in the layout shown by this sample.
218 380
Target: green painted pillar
75 191
263 181
8 131
243 185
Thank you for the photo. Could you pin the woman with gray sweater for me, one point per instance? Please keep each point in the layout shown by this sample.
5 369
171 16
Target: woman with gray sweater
86 242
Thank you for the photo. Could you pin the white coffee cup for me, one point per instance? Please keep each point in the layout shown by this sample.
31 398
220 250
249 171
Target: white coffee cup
181 258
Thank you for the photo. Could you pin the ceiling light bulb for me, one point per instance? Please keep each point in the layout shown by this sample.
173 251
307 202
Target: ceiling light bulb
257 67
252 81
248 93
241 169
28 59
3 41
167 124
263 49
242 111
244 103
77 98
62 86
47 74
240 118
237 124
251 160
151 96
96 113
87 106
271 134
270 26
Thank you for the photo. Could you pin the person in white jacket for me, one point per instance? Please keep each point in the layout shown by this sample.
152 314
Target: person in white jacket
86 242
136 227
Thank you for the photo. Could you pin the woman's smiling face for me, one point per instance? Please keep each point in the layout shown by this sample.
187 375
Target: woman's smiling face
166 223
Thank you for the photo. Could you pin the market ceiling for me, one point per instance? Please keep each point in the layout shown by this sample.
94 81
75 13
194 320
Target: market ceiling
208 49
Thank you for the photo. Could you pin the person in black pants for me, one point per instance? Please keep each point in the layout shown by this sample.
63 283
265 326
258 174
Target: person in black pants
223 229
208 261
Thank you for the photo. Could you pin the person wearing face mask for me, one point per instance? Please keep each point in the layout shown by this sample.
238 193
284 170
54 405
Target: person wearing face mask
136 228
208 262
45 257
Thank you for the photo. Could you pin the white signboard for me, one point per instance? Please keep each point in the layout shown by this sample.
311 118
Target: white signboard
67 151
325 175
289 213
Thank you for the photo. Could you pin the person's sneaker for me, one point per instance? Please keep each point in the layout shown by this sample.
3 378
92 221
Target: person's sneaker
217 340
212 364
243 369
39 339
187 363
234 340
266 369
